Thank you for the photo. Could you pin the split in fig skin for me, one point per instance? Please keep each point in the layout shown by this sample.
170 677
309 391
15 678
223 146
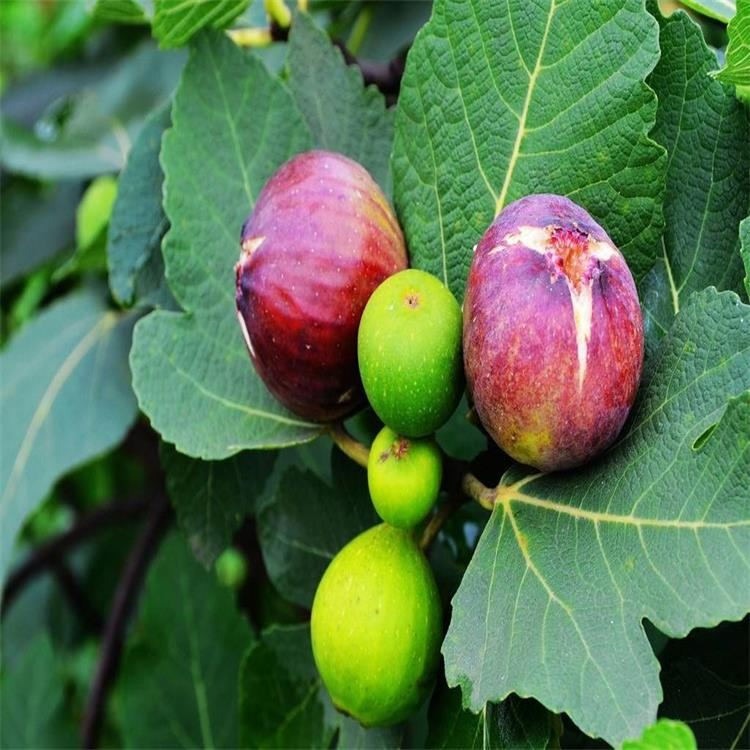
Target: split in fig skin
553 334
319 241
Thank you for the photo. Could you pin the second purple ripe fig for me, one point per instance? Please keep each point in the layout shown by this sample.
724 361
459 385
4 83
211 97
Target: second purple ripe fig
553 334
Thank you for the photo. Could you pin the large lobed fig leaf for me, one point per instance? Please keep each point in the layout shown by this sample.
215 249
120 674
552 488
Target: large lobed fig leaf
568 566
211 498
500 100
65 398
342 114
233 125
707 134
178 682
298 538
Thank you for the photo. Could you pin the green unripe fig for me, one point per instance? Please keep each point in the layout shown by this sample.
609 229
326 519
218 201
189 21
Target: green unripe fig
376 627
404 477
409 350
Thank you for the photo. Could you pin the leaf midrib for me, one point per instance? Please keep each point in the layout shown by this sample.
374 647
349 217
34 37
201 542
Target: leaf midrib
512 493
521 132
60 378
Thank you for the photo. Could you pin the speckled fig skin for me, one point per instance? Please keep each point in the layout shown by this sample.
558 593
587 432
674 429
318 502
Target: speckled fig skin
319 241
553 334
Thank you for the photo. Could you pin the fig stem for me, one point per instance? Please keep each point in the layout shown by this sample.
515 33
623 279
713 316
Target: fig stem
251 37
471 488
278 11
438 520
474 489
358 452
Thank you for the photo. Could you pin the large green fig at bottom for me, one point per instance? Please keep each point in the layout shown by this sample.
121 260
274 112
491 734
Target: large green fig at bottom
376 627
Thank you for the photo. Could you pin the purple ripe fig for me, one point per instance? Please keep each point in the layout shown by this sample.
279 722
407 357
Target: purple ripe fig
319 241
553 334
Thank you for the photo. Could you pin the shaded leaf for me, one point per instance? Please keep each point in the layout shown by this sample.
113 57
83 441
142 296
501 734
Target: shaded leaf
342 114
138 224
500 100
36 224
458 437
745 251
707 134
31 701
282 700
353 736
515 723
66 397
176 21
717 711
664 735
737 67
96 137
569 564
233 125
307 521
178 685
212 497
392 27
24 619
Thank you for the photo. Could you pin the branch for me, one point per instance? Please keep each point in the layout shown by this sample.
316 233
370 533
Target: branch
77 597
358 452
386 76
52 551
438 520
122 605
469 488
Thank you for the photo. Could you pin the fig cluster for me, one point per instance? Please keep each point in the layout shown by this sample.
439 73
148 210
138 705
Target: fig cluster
549 346
329 313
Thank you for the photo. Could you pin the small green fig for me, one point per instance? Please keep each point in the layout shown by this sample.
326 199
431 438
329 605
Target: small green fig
404 477
409 349
376 627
